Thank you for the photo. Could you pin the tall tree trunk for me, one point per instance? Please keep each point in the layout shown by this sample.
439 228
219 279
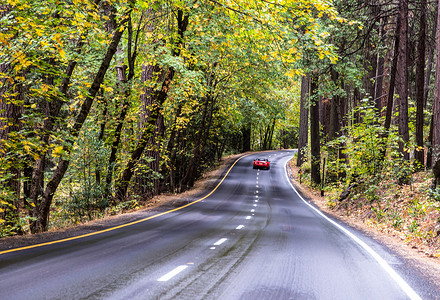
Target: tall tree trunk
431 52
436 112
148 185
402 77
315 137
432 47
246 137
172 151
378 93
334 109
420 73
266 136
122 96
389 111
189 178
124 93
101 138
303 121
272 129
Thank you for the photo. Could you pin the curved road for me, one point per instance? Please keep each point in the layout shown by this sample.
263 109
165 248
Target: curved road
253 238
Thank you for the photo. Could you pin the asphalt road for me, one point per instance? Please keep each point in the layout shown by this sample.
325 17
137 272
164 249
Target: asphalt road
253 238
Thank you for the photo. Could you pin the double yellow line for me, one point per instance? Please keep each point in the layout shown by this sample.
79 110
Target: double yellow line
124 225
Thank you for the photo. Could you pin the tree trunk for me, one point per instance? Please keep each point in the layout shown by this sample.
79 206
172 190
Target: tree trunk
315 137
246 137
172 151
272 129
334 109
436 113
389 111
402 77
431 52
124 93
303 121
123 98
266 137
420 74
188 179
378 93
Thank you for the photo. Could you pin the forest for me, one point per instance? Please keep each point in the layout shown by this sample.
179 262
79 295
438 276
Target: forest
105 104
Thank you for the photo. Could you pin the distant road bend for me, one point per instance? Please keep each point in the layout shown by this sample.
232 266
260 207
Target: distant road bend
253 238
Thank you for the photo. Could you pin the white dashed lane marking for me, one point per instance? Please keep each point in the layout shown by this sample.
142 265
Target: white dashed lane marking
173 273
220 241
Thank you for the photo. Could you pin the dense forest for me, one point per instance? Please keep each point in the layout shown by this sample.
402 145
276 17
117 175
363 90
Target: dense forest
105 104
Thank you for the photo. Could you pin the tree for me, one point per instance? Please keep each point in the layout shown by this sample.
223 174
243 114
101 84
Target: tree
436 113
421 49
402 77
315 134
303 121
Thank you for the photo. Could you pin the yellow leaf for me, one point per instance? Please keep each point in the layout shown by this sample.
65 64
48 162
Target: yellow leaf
62 53
57 151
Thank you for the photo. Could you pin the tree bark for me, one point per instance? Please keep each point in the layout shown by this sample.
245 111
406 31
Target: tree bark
436 113
378 93
315 137
144 184
389 111
431 52
419 154
189 178
124 94
402 77
334 125
246 137
303 121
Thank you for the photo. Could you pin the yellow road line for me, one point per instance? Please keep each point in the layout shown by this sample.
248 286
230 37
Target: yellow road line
127 224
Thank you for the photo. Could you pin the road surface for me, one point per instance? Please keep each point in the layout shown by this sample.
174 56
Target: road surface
252 238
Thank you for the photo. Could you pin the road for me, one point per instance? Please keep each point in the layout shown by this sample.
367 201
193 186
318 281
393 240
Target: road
252 238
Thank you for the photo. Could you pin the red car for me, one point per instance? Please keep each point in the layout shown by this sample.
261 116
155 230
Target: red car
261 163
